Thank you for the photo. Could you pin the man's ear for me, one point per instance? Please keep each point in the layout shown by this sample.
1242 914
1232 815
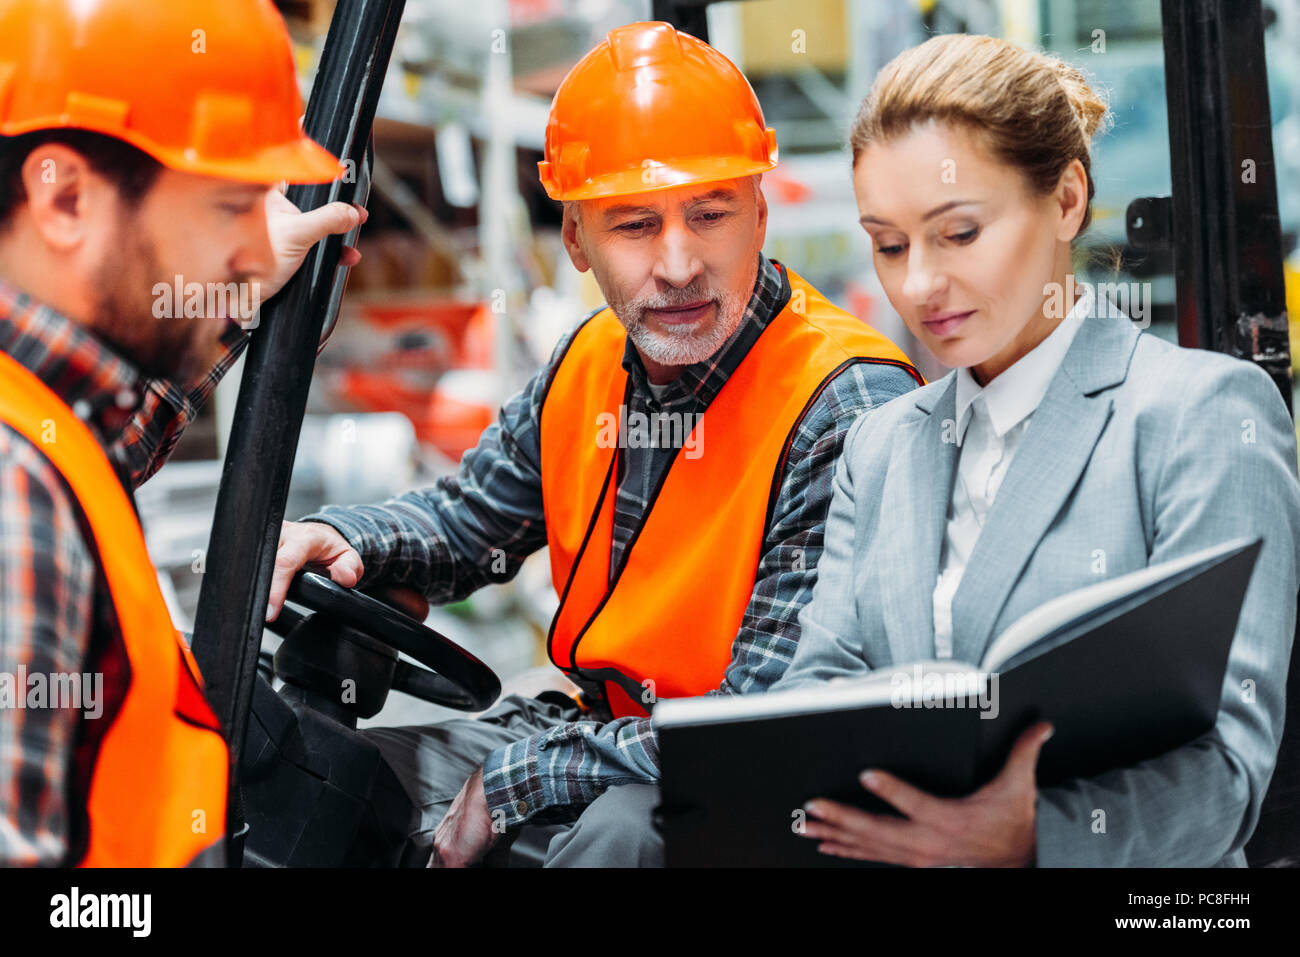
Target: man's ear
61 192
569 227
761 225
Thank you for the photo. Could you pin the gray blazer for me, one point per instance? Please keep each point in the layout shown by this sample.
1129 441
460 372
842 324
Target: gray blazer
1141 451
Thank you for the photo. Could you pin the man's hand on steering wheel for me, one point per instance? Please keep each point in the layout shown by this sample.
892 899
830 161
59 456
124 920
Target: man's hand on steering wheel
314 543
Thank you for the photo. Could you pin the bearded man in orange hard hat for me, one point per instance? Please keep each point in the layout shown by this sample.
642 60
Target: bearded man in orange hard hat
675 454
139 143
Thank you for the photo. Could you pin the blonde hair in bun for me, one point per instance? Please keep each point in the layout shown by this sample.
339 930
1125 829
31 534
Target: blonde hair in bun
1090 108
1033 111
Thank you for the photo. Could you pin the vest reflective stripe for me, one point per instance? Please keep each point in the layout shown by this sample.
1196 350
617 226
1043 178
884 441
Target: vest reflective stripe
665 627
163 759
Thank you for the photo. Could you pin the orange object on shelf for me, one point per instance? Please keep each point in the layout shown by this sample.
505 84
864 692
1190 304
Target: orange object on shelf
426 351
455 422
785 188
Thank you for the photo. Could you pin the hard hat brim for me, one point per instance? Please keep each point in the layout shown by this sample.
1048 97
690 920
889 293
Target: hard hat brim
655 179
301 161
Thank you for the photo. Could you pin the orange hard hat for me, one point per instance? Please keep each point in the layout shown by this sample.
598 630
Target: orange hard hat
202 87
652 108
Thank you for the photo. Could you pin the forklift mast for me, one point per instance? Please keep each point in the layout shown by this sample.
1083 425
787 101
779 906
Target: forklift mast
1223 224
1222 219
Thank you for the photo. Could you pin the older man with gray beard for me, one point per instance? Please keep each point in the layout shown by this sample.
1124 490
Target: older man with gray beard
678 574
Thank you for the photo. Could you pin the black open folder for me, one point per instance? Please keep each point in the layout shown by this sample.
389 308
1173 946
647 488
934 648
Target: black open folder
1125 670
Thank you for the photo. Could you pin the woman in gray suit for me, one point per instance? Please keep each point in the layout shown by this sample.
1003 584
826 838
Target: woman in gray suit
1066 446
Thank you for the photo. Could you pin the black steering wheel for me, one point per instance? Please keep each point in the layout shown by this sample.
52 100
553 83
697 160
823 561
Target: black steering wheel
453 677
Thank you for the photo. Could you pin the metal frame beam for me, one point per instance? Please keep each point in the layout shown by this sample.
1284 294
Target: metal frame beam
1226 233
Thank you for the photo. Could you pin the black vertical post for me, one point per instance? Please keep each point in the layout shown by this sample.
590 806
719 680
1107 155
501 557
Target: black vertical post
1226 232
689 16
273 393
1228 264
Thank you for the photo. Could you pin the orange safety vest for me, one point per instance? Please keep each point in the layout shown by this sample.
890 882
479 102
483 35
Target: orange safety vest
663 624
157 793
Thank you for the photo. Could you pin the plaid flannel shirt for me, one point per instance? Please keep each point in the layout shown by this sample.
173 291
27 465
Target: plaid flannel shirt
55 611
476 527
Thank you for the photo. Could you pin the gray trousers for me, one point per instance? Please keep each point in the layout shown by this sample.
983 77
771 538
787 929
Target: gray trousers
434 761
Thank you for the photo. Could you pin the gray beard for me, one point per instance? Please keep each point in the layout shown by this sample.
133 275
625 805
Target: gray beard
688 346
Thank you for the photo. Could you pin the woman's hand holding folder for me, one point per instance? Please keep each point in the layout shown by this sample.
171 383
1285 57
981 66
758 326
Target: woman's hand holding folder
992 827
